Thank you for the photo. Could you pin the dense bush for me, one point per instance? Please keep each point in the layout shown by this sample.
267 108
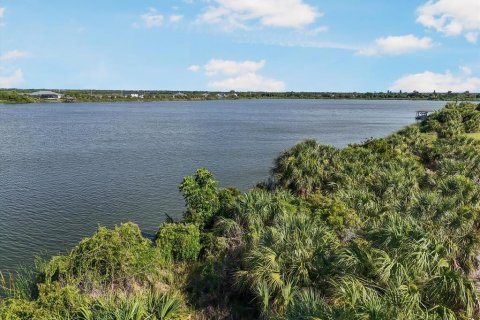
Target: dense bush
179 242
20 309
118 258
200 192
454 119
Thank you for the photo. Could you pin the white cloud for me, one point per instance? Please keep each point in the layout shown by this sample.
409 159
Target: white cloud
238 75
194 68
396 45
14 54
231 68
152 18
271 13
248 82
441 82
451 17
175 18
12 79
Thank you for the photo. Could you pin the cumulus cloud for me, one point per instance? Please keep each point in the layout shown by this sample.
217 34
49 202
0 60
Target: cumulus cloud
152 18
9 80
396 45
441 82
14 54
238 75
248 82
452 17
271 13
11 76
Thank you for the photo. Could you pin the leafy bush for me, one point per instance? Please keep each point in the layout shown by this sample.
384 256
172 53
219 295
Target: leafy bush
179 242
20 309
118 257
200 192
334 212
65 301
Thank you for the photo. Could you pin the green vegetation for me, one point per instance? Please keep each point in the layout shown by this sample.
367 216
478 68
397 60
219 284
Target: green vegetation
20 96
9 96
385 229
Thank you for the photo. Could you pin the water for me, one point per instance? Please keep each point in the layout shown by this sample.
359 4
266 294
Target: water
67 168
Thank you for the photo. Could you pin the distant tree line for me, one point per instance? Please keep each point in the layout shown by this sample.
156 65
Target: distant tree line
21 96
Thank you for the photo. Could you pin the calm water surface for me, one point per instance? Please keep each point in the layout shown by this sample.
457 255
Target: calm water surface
67 168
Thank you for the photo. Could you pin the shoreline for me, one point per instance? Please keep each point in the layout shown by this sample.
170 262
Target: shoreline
16 96
239 99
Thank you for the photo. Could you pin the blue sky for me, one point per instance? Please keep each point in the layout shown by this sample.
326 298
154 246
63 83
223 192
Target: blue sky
243 45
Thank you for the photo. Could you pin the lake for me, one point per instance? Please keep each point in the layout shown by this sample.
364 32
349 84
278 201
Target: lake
67 168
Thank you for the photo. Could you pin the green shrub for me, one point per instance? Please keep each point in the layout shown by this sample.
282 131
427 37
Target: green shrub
18 309
213 245
200 192
118 257
65 301
228 200
472 122
334 212
165 306
116 307
179 242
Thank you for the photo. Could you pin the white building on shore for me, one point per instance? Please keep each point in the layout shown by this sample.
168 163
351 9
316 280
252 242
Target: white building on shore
50 95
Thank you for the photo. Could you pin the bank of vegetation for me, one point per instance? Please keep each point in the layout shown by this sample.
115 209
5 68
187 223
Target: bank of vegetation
385 229
11 96
21 96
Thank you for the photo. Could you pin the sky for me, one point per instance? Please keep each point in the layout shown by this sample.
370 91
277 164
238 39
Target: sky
242 45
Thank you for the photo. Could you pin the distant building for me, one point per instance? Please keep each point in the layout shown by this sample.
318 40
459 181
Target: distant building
179 95
50 95
134 95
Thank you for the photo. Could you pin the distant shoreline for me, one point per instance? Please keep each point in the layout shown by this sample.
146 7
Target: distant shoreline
73 96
